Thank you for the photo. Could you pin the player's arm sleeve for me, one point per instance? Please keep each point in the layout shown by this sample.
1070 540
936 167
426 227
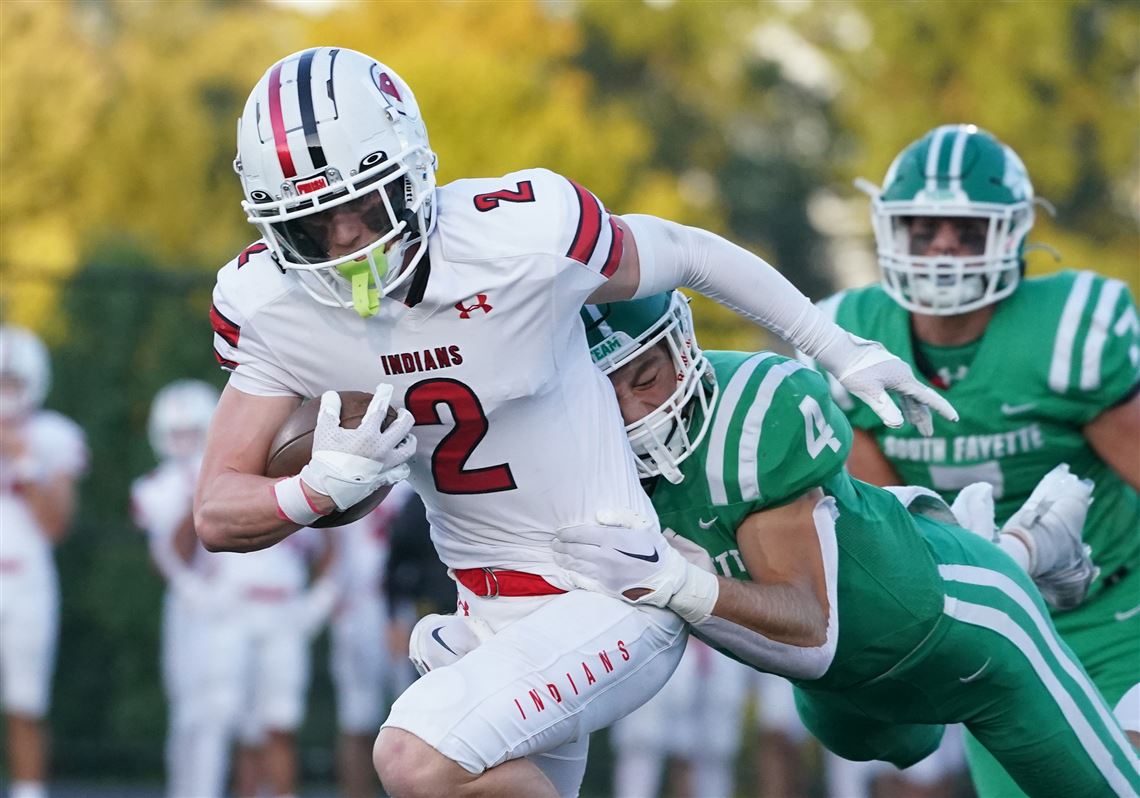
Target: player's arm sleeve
1109 359
672 255
858 413
241 351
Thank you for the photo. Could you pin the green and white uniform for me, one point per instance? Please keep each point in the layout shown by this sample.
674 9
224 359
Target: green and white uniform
934 625
1058 352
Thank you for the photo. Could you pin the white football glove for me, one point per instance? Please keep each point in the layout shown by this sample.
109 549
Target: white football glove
625 556
974 510
867 370
1050 524
348 465
439 640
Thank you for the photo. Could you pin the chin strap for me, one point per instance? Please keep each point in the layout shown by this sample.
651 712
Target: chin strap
365 293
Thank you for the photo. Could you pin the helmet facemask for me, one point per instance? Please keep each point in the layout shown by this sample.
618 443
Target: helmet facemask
662 439
381 196
947 285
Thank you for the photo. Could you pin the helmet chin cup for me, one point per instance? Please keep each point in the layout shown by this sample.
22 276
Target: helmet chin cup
364 277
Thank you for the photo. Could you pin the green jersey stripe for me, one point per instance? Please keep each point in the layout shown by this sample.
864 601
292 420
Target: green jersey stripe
753 426
1061 365
718 435
985 577
1098 334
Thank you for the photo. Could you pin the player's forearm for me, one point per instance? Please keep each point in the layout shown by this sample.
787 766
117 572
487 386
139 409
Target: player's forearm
239 512
778 630
781 613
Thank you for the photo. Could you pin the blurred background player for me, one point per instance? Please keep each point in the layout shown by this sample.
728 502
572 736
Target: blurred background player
42 455
363 670
236 627
161 502
694 722
258 672
783 744
1043 371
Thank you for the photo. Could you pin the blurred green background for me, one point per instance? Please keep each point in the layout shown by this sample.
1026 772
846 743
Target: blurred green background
118 201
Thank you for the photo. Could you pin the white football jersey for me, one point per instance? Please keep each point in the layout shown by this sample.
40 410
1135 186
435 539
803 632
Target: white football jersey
55 445
518 433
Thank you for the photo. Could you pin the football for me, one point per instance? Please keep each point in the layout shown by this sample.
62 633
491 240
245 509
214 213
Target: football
292 448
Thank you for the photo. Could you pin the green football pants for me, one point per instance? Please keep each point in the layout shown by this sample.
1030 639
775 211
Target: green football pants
996 663
1105 635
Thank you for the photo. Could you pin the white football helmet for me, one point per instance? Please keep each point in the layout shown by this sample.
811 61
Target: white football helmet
25 372
329 131
179 419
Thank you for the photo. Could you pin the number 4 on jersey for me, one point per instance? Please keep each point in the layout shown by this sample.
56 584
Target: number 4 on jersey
817 431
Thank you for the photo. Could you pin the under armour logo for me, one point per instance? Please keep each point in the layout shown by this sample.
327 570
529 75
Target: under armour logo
480 303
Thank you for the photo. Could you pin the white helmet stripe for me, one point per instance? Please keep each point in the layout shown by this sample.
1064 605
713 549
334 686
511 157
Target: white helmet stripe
599 320
956 155
932 157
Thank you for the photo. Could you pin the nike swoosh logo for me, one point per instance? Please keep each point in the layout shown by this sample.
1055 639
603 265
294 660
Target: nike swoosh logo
976 674
647 557
435 635
703 524
1124 615
1013 410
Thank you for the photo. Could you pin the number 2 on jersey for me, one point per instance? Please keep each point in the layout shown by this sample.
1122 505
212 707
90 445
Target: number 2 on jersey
522 192
449 458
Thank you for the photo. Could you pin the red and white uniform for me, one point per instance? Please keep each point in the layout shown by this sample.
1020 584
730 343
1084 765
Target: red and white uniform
518 435
29 604
361 668
160 504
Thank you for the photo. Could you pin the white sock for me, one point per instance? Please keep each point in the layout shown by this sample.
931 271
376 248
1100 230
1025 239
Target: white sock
28 789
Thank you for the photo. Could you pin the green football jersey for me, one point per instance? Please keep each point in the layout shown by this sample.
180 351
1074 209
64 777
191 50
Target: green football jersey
776 433
1056 353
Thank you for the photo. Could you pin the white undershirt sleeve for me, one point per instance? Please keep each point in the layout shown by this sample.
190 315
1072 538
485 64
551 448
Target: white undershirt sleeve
673 255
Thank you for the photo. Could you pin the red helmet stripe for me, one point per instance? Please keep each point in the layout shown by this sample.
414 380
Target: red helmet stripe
277 121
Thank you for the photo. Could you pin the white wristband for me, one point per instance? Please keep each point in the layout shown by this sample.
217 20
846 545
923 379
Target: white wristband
292 503
697 596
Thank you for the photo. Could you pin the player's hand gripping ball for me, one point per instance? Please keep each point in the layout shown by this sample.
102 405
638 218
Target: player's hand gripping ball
292 449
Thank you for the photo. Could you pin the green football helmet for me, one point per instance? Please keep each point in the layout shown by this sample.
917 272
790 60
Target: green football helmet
953 171
621 331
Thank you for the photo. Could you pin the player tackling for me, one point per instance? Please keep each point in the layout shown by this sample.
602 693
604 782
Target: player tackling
890 619
462 302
